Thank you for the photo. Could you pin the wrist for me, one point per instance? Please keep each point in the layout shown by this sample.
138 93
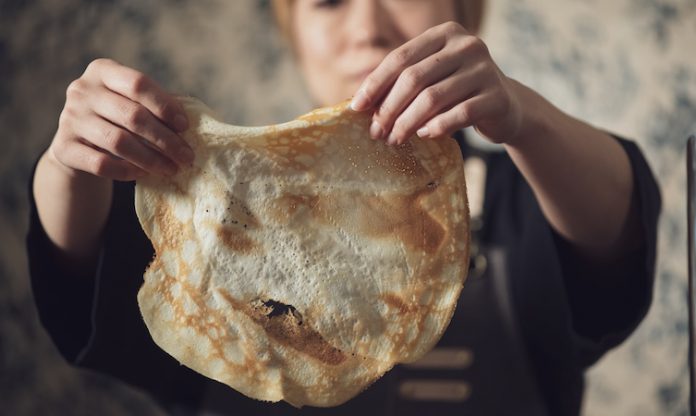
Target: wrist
71 174
535 113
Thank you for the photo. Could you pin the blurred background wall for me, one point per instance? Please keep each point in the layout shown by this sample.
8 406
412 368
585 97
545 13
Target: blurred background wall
626 65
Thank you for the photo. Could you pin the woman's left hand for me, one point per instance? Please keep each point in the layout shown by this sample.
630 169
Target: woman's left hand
437 83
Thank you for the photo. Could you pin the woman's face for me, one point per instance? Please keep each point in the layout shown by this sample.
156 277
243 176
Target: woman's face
339 42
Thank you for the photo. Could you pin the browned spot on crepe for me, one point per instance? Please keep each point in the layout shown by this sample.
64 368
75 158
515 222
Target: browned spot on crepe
377 216
394 301
236 239
289 329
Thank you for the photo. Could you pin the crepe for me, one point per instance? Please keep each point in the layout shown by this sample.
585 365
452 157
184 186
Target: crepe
302 261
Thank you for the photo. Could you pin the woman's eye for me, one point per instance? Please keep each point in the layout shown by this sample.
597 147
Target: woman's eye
327 4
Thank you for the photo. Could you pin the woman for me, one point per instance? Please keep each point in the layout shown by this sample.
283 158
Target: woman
569 209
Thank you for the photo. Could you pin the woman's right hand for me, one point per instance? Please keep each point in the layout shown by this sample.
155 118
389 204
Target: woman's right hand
119 124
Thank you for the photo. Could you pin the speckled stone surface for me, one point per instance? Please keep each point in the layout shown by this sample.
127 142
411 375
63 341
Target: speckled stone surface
626 65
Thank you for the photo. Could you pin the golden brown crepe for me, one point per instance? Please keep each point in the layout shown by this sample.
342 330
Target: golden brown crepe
301 261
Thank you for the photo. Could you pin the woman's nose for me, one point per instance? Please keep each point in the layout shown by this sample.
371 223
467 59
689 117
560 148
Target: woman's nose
369 23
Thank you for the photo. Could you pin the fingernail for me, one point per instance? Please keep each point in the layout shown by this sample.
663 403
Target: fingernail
185 155
392 139
376 130
423 132
360 101
180 122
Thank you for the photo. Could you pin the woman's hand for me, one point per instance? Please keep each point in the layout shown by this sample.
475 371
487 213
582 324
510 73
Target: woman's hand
437 83
445 80
119 124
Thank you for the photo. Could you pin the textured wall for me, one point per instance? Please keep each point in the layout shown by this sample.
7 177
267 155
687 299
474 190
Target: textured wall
626 65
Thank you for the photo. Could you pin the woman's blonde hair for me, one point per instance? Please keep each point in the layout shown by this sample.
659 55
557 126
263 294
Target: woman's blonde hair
469 15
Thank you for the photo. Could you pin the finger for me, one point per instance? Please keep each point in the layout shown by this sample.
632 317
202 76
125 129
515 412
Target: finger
433 100
124 144
462 115
139 120
379 81
81 156
140 88
412 81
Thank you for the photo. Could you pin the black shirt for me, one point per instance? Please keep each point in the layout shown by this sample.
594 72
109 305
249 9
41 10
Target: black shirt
565 314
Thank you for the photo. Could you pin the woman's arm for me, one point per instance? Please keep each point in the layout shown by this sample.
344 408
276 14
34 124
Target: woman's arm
581 177
117 124
445 80
73 207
